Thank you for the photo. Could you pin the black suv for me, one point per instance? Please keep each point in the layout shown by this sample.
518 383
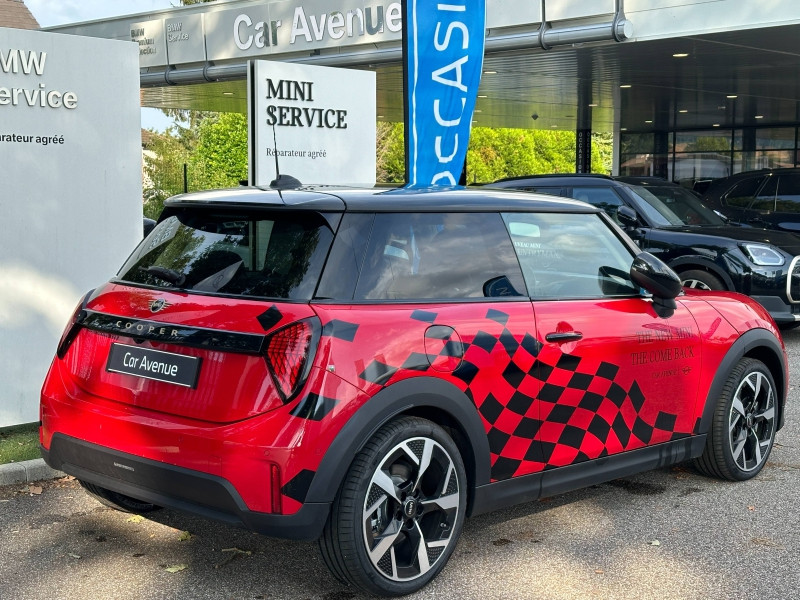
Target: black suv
766 198
671 222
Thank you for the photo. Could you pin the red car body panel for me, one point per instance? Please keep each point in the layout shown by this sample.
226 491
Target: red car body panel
631 381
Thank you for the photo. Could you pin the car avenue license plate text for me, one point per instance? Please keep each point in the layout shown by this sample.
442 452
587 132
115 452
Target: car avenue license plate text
154 364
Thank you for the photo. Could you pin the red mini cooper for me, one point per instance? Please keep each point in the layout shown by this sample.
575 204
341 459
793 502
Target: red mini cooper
370 367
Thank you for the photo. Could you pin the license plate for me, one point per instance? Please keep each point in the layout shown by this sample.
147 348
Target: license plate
154 364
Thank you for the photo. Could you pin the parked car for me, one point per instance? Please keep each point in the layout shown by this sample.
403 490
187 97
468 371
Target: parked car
369 367
670 222
767 198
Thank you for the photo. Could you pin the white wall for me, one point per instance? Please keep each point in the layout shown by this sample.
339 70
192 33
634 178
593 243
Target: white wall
71 212
674 18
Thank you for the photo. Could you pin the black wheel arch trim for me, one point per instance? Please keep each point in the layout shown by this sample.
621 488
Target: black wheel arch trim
699 262
754 343
409 396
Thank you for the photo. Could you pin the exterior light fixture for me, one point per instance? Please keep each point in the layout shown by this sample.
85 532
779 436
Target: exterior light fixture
683 110
490 72
625 86
715 125
731 96
593 104
759 117
680 55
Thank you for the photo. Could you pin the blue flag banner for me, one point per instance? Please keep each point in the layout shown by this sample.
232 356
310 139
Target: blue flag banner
443 44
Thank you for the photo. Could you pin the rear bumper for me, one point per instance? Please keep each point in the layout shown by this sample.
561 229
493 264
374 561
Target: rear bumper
170 486
255 473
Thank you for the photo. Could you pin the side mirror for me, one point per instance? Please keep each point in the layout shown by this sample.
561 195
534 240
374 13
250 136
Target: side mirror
148 226
627 216
657 278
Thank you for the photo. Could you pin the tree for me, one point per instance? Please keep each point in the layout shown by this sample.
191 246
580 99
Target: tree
214 146
602 152
163 171
497 153
390 152
220 157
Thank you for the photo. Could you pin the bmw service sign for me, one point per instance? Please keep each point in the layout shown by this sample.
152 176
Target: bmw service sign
443 43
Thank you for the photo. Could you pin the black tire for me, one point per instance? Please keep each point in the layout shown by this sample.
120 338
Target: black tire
702 280
117 501
406 488
744 424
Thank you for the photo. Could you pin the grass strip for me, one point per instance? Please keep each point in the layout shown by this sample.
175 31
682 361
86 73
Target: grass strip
19 443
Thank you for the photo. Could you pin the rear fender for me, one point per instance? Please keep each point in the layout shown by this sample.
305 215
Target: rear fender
419 395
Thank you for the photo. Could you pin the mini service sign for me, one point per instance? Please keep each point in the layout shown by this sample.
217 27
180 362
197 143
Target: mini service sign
316 124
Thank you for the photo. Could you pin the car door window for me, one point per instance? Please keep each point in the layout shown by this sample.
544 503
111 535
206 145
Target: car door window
741 194
601 197
429 256
765 201
785 197
570 255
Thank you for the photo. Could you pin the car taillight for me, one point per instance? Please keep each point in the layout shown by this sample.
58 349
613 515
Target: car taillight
290 353
73 326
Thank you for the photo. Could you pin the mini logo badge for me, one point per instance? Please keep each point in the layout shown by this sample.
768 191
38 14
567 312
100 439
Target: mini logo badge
157 305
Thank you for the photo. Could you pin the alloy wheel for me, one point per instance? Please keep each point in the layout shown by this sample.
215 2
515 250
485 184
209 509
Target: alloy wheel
695 284
751 422
411 509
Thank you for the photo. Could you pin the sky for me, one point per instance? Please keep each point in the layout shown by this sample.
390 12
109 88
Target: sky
58 12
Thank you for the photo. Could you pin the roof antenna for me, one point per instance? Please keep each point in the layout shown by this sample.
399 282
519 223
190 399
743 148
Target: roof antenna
281 182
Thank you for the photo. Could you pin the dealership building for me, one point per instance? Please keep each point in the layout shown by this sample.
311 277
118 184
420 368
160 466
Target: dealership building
689 88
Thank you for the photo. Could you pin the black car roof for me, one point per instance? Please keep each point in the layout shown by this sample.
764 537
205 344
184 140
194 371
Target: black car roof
725 182
567 179
338 199
646 180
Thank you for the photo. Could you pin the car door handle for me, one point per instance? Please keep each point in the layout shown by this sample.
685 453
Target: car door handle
570 336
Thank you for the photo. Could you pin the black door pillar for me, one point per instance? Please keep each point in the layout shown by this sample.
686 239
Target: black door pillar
583 131
583 151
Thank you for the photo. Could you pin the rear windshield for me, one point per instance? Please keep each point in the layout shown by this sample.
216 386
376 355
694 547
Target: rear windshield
266 255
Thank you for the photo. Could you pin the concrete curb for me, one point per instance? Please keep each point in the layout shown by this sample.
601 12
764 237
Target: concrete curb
27 471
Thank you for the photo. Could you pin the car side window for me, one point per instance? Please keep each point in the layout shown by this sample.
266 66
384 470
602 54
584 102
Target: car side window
439 256
570 256
601 197
340 276
741 194
781 194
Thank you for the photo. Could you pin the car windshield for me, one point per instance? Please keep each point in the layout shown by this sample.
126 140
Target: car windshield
261 255
673 206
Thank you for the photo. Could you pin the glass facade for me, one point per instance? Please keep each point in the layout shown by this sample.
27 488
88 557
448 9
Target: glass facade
695 156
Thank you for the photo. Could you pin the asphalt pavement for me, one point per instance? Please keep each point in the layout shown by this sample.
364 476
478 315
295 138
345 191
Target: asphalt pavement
669 533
